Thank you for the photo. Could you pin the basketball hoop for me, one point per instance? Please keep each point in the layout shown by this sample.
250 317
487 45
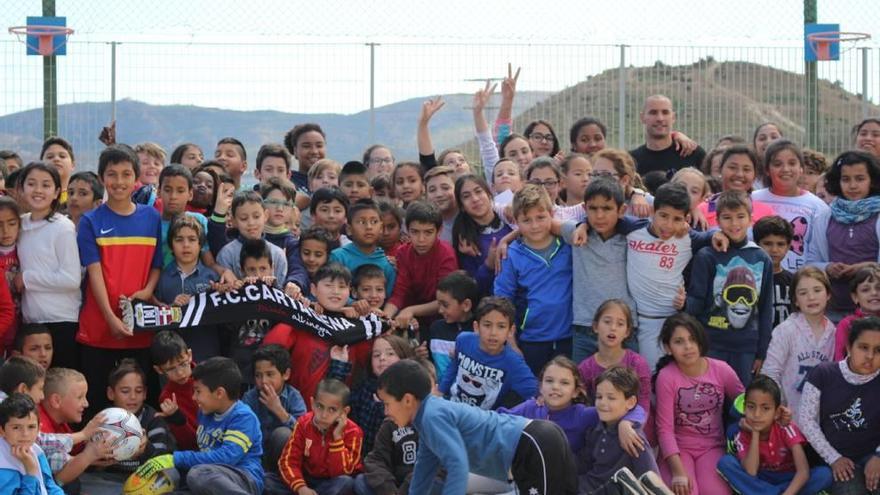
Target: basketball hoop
821 43
46 36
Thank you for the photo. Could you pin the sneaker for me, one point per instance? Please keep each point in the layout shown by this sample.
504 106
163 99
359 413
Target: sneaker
628 483
654 485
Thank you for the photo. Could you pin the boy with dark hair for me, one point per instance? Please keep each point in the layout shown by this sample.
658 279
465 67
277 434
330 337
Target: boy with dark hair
368 285
485 370
329 209
731 293
354 182
279 197
276 403
605 467
599 266
172 358
769 457
119 247
84 193
537 277
655 262
232 155
440 192
249 218
774 234
323 454
535 452
457 297
24 468
230 441
420 266
273 160
34 341
364 228
310 355
186 276
24 375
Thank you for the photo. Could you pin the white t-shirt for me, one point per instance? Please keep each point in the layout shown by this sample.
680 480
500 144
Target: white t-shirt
800 211
654 269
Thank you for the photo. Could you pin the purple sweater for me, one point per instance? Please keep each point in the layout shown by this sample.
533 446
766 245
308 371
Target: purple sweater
476 265
575 420
590 370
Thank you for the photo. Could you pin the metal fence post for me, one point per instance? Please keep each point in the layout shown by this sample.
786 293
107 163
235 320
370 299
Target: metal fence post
113 81
866 99
621 99
372 92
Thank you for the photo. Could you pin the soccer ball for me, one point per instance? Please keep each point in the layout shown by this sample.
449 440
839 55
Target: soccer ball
125 430
157 484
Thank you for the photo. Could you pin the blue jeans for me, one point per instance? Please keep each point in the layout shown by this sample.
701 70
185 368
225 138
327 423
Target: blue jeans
340 485
537 354
585 343
768 482
741 362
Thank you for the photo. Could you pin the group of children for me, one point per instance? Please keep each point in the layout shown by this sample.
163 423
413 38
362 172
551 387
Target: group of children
554 327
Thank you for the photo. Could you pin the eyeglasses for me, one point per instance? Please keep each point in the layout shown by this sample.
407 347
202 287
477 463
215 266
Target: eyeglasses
541 137
381 161
364 223
177 368
602 173
549 183
277 203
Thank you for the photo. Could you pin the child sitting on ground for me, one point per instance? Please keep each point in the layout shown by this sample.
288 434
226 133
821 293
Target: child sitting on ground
173 359
230 441
23 466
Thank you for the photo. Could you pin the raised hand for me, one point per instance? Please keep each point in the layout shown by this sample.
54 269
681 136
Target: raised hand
430 107
339 353
508 85
168 407
481 97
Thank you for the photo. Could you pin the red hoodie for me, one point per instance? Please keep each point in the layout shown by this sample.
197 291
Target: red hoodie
185 432
311 452
310 357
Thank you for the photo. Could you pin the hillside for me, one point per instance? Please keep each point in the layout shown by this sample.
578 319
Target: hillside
348 135
711 99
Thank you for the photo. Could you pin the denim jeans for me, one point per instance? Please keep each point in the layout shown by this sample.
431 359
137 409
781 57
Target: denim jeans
769 482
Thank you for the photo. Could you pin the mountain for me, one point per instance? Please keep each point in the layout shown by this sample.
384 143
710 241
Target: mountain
347 135
711 99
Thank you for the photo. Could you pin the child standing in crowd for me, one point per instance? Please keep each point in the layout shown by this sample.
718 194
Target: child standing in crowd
785 164
249 217
354 182
50 275
84 193
575 170
408 182
119 247
774 235
440 192
273 161
477 224
691 389
457 298
485 371
368 285
364 227
392 222
847 236
613 325
421 264
231 154
865 291
314 251
279 196
731 293
329 210
537 276
804 340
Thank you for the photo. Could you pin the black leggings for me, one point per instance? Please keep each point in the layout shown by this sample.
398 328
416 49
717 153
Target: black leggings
65 348
543 463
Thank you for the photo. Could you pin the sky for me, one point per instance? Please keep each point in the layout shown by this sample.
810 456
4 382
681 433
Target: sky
312 57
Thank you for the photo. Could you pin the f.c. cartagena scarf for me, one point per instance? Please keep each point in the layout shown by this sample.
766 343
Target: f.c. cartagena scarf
255 301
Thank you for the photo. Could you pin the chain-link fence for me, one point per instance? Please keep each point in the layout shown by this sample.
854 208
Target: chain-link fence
717 90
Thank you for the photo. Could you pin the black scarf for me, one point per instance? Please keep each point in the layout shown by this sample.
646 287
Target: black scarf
250 302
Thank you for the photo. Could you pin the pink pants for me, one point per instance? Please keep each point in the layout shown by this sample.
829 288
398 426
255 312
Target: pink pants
702 469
